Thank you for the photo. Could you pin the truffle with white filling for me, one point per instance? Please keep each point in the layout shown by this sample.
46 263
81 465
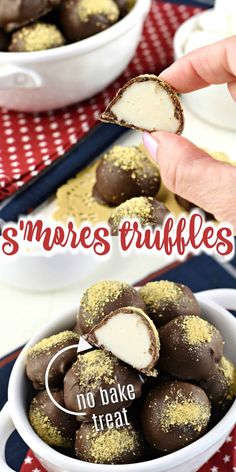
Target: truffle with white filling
81 19
166 300
95 372
17 13
190 347
102 298
124 173
129 334
111 446
147 210
146 103
174 415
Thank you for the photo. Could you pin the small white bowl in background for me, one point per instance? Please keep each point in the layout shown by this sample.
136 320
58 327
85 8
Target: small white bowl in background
214 104
46 80
188 459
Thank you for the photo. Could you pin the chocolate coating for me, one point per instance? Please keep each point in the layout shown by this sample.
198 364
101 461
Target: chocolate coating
39 356
4 41
93 371
220 386
16 13
50 423
124 173
81 19
111 446
147 210
125 6
174 415
36 37
188 206
102 298
190 347
167 300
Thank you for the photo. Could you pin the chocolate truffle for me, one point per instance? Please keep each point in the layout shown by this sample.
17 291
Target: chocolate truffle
83 18
124 173
97 375
36 37
50 423
122 331
188 206
39 356
220 386
147 210
190 347
4 41
16 13
125 6
174 415
102 298
146 103
166 300
110 446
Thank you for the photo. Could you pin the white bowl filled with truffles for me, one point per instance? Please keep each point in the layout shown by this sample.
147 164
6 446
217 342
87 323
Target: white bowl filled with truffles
51 50
139 380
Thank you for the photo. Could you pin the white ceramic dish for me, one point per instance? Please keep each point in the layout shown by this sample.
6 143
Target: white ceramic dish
55 78
213 104
188 459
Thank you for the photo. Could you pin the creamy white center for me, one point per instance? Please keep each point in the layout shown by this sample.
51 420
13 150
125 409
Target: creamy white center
127 337
146 105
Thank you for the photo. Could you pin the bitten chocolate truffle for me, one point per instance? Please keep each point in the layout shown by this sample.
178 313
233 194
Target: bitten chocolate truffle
111 446
83 18
125 6
36 37
220 386
124 173
102 298
166 300
16 13
39 356
147 210
130 335
190 347
95 376
50 423
174 415
146 103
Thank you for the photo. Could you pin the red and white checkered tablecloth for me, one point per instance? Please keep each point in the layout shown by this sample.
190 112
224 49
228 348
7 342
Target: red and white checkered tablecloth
30 143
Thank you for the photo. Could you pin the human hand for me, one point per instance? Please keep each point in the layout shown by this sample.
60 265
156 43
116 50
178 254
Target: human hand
185 169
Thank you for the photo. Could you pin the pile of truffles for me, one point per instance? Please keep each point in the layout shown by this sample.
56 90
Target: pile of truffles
128 180
27 26
153 380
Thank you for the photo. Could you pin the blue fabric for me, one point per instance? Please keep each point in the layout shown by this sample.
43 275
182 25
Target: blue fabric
199 273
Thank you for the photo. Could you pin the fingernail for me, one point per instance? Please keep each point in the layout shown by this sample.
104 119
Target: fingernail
151 145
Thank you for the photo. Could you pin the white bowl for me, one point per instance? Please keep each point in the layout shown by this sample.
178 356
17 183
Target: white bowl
45 80
42 273
188 459
214 104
